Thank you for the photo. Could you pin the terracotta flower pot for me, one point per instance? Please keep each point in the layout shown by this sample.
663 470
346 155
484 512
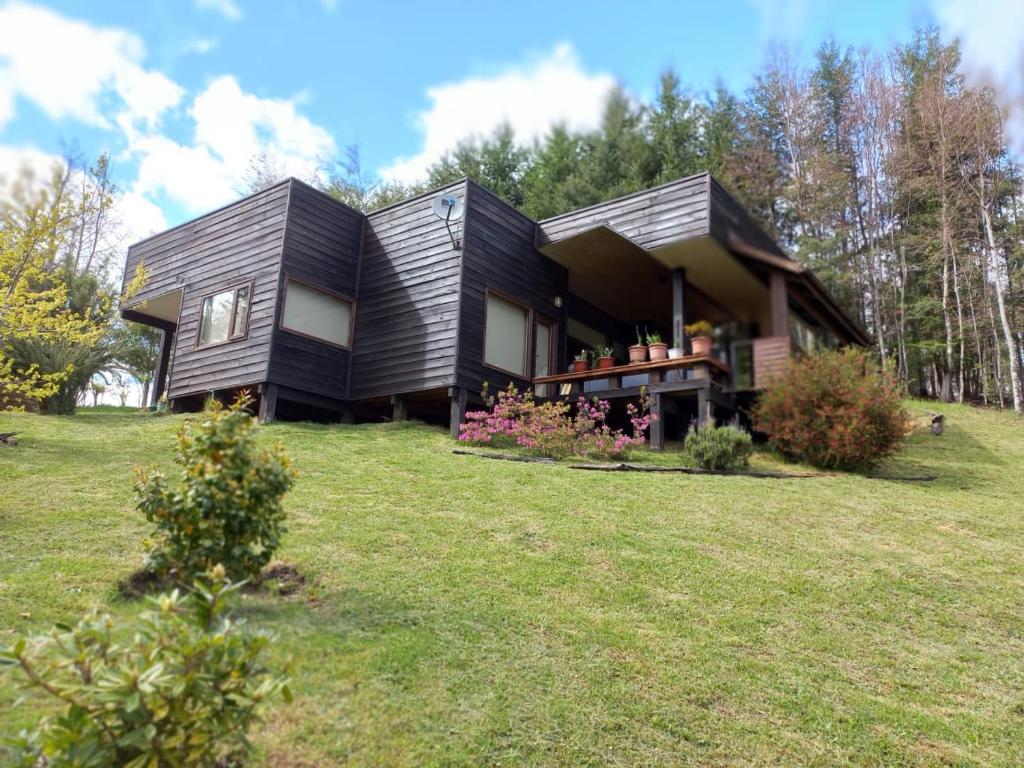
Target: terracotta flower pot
605 362
701 345
638 353
659 351
579 366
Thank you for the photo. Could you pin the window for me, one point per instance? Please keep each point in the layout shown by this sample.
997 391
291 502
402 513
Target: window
316 313
506 335
224 316
544 354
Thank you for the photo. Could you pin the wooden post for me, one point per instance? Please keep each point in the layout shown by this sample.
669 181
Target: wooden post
703 406
399 408
657 423
458 409
268 403
163 359
779 297
678 310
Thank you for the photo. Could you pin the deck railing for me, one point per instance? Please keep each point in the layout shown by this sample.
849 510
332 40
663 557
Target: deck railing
690 367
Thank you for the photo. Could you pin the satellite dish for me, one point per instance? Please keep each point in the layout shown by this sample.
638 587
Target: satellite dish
448 208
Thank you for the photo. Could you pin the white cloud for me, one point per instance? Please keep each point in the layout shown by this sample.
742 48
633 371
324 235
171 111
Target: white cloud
229 9
231 128
531 98
991 34
82 72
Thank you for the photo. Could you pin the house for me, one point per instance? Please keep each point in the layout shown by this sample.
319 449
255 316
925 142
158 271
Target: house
322 310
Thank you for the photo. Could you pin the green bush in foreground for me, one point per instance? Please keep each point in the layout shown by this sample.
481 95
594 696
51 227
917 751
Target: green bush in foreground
712 447
834 409
227 510
179 686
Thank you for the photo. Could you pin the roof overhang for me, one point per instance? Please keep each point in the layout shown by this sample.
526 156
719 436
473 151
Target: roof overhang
159 311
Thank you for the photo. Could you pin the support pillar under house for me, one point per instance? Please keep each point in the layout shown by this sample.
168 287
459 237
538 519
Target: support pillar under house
268 403
459 398
162 363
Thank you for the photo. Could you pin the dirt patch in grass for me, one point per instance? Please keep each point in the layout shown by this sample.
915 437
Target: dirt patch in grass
280 578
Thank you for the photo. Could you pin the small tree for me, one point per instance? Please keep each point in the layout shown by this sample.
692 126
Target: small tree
181 685
835 410
227 509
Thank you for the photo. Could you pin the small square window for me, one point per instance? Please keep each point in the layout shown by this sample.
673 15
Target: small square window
224 316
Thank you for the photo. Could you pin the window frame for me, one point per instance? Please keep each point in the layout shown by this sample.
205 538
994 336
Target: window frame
528 362
553 360
288 280
233 289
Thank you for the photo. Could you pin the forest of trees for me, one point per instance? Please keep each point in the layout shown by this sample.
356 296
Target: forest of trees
883 171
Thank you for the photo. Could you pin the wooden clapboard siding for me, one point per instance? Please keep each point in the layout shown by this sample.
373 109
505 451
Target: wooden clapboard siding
408 300
238 243
321 248
771 355
499 255
652 218
728 218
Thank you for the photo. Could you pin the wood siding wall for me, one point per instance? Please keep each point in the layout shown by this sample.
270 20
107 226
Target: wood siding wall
771 355
407 317
230 246
321 248
652 219
499 255
728 216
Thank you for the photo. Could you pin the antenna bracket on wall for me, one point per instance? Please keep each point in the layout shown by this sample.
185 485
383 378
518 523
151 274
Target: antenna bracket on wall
450 209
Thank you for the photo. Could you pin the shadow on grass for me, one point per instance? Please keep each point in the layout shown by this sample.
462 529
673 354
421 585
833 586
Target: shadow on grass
956 458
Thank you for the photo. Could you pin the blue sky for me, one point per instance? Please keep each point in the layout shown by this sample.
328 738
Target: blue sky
183 93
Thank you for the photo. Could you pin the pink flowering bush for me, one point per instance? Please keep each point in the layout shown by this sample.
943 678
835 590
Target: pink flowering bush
514 419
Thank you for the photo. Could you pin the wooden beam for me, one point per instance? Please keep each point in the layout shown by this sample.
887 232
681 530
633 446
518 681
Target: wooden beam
679 309
163 360
459 397
657 427
268 403
399 408
779 304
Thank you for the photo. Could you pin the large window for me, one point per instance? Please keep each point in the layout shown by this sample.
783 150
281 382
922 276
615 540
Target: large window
224 316
506 336
318 314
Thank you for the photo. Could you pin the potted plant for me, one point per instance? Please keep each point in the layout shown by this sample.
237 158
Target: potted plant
581 362
657 348
676 350
638 351
700 337
603 358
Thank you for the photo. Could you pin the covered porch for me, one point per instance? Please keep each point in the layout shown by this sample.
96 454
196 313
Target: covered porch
161 312
618 288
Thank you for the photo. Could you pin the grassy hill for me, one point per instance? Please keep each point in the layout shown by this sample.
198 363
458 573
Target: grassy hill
465 611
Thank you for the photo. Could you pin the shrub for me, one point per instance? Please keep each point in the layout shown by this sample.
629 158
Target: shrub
834 410
227 509
725 447
182 687
548 429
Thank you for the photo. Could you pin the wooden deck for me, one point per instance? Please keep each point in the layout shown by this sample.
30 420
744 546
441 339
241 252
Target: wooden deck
705 383
702 366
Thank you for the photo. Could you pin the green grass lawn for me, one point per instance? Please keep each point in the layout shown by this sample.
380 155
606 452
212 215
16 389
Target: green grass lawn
467 611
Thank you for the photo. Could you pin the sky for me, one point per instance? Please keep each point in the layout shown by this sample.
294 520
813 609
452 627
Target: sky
184 93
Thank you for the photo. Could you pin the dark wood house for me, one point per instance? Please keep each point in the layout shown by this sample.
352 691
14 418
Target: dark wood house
322 310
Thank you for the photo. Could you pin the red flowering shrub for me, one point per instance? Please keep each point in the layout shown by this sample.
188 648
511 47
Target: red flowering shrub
548 429
835 410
